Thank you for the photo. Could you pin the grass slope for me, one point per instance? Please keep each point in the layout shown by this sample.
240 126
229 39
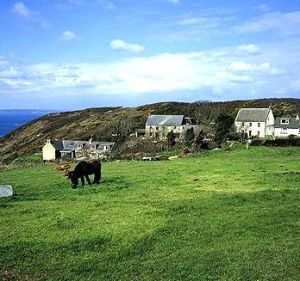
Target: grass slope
221 216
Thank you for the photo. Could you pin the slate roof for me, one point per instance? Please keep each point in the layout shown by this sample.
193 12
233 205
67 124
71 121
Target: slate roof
252 115
164 120
58 145
70 145
293 124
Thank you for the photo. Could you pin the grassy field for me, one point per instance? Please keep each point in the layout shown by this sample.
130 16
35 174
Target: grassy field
220 216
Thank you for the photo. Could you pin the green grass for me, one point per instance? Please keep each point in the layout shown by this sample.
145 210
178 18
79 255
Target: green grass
219 216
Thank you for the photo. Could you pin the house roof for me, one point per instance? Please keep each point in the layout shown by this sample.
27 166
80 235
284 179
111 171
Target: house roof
252 115
58 144
164 120
293 123
71 145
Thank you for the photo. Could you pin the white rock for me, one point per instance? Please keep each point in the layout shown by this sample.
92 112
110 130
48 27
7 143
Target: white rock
6 191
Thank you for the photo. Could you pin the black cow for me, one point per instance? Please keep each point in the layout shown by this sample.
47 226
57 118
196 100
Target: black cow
82 170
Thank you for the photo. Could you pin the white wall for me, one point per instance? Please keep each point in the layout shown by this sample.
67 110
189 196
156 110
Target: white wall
285 133
256 128
270 124
48 152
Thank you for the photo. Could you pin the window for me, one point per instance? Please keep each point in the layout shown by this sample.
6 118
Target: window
285 121
243 124
250 124
250 133
258 125
258 133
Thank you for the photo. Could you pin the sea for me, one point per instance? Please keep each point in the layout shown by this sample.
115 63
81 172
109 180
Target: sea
13 119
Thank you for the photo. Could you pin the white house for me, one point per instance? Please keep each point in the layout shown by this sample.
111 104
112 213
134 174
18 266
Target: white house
55 149
286 126
158 126
255 122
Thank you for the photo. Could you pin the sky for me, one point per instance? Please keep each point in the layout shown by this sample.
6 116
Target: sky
74 54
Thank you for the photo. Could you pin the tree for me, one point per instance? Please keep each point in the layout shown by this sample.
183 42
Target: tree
171 139
199 141
224 123
123 129
189 137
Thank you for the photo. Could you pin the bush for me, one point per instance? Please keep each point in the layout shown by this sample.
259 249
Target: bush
224 123
171 139
189 137
291 137
277 142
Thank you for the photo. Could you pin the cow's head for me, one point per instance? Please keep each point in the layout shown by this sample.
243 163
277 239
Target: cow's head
71 176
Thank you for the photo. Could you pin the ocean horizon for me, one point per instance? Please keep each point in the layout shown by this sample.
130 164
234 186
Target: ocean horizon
12 119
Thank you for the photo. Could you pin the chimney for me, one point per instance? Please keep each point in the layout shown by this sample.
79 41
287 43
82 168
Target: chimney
48 140
297 117
90 140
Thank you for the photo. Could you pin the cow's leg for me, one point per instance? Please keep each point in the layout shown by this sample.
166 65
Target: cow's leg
88 179
82 180
97 177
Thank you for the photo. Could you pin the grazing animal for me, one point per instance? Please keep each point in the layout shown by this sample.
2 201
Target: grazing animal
82 170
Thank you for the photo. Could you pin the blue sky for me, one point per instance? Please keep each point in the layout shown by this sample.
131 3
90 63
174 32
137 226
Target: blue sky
76 54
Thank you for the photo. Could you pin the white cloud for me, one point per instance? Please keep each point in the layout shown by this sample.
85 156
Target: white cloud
220 72
241 66
263 8
20 9
119 44
69 35
285 23
250 49
201 22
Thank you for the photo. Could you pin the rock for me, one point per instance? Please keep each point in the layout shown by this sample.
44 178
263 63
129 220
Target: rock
6 191
147 158
173 157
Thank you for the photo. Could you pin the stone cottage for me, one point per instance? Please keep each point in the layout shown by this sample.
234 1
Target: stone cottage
76 149
255 122
158 126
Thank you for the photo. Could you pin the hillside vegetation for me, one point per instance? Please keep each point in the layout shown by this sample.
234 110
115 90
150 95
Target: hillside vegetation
100 123
219 216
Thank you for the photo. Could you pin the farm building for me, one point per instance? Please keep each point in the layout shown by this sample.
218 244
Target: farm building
56 149
158 126
255 122
286 126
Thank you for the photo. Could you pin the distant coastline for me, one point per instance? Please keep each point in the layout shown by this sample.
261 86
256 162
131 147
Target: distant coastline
11 119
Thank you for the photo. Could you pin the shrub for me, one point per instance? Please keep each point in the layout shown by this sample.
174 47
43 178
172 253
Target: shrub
171 139
277 142
224 123
189 137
